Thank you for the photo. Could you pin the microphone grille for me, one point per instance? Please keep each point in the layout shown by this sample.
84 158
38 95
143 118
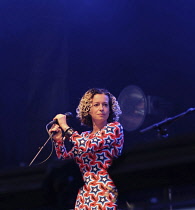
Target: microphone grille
69 115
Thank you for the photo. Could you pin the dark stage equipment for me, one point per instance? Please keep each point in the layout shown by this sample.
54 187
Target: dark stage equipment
136 106
133 104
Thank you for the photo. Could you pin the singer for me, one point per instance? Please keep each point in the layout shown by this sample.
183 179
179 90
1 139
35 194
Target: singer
93 150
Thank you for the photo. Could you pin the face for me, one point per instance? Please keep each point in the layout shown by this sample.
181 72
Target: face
100 108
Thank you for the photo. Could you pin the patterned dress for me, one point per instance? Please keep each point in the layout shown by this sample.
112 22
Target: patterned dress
94 154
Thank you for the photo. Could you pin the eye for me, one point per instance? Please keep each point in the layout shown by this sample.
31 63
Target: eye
95 104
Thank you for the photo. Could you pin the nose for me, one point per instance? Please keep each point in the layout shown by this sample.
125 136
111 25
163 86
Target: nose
101 107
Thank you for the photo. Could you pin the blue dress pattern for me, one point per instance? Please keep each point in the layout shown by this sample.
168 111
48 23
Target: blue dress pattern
94 154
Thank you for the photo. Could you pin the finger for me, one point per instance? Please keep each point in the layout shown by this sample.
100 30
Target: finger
54 126
60 118
55 129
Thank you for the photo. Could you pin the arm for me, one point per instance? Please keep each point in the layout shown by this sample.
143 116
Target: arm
61 151
111 137
58 138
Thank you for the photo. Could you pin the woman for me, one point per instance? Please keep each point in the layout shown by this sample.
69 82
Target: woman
93 150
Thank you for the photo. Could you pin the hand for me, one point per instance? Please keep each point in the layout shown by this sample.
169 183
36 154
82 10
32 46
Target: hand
56 131
61 118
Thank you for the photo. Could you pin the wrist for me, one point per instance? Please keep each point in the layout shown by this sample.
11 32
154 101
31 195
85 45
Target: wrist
65 127
68 132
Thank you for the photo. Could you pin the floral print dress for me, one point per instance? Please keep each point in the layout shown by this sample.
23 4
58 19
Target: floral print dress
94 154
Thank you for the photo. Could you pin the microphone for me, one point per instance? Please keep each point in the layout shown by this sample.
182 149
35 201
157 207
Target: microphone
68 116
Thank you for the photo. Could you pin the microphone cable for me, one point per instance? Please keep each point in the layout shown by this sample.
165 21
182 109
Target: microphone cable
68 115
40 148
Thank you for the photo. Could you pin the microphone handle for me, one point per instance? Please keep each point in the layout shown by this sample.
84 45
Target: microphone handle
68 116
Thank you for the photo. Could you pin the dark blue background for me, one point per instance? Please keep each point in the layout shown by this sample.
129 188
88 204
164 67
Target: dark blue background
51 52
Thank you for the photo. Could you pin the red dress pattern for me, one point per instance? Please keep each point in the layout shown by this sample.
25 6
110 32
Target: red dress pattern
94 154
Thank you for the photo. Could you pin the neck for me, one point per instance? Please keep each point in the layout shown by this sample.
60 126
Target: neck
98 126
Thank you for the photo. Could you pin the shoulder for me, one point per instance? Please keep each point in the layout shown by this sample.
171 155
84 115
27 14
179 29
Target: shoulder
114 127
114 124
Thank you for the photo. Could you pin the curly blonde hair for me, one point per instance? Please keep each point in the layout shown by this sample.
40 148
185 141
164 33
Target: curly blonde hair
86 103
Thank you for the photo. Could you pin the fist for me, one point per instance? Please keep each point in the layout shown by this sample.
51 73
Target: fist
56 132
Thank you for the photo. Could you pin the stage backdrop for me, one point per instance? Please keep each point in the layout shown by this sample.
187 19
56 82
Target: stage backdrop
53 51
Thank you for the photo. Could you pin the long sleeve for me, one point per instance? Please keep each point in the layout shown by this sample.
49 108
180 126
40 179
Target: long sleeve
94 154
110 137
61 151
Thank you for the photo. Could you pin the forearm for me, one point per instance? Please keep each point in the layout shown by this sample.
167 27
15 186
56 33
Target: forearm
61 151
